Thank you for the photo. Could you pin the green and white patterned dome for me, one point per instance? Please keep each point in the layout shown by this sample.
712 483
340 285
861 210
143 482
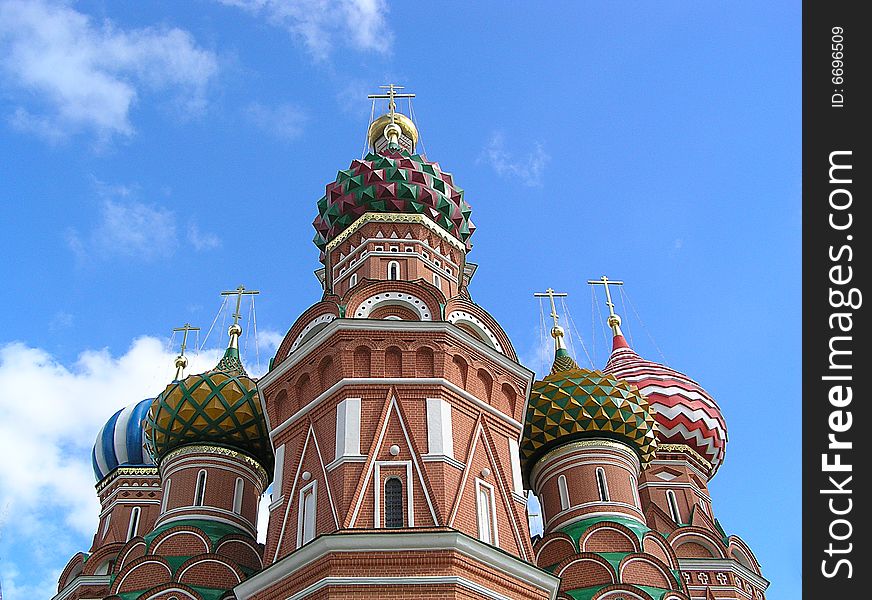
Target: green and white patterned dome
220 406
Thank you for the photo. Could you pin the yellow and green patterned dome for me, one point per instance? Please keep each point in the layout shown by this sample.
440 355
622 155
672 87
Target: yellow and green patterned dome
572 403
220 406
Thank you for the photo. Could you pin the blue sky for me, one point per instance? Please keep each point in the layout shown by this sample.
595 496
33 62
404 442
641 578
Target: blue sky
153 154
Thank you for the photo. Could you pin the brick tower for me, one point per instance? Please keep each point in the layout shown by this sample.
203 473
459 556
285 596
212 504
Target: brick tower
674 492
395 404
587 436
130 494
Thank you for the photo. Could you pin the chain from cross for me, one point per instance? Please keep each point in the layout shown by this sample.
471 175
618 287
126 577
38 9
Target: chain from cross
391 97
606 282
239 293
185 328
551 294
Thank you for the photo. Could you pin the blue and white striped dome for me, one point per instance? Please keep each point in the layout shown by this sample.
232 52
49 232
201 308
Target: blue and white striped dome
119 443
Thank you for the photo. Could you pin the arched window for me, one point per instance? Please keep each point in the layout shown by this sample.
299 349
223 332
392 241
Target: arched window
393 270
673 506
238 490
634 485
437 281
352 280
308 506
393 503
133 526
563 489
200 490
487 525
601 485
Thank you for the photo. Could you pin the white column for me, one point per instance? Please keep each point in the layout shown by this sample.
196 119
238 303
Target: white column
515 458
440 436
348 428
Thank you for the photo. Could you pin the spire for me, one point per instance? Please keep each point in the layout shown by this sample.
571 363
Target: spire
181 359
231 362
562 360
614 320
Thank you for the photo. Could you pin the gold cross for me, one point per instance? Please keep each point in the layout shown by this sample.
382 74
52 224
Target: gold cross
606 282
391 96
239 293
186 328
551 295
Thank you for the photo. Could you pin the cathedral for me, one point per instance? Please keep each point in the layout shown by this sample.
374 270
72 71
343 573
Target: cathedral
402 439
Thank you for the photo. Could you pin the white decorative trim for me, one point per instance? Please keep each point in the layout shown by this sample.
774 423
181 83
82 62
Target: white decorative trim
206 544
393 299
519 498
359 458
723 564
399 542
211 560
81 581
425 580
325 318
239 522
442 458
477 324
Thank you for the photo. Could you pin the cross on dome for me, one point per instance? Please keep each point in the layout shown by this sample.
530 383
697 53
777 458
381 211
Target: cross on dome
181 360
235 330
614 319
391 97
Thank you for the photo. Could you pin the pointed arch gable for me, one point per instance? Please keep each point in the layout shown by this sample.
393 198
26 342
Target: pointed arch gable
391 406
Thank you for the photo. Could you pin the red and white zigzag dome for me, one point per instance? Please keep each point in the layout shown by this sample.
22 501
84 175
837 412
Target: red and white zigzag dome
684 411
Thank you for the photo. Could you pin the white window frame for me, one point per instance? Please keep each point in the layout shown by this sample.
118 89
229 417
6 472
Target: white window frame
672 501
394 264
602 485
200 488
493 538
312 489
352 281
133 524
238 494
563 492
407 488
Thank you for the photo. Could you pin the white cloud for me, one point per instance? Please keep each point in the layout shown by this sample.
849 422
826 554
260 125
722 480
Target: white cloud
70 74
318 23
528 169
284 121
127 228
50 414
202 240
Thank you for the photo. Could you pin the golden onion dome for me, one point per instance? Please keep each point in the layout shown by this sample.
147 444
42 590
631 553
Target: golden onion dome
377 128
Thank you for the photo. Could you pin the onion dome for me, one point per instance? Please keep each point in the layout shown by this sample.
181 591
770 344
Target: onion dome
120 441
392 180
685 413
572 403
220 407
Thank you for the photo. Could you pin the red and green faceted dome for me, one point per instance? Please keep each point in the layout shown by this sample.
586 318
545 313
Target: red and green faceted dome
574 403
219 407
395 182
